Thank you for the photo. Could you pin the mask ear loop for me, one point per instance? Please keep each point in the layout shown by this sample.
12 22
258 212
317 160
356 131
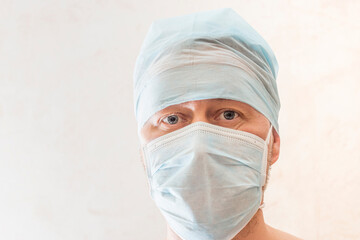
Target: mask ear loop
264 159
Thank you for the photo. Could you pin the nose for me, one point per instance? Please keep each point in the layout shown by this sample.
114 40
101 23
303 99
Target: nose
200 115
200 110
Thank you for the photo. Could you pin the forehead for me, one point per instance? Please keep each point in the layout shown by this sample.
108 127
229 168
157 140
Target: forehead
210 103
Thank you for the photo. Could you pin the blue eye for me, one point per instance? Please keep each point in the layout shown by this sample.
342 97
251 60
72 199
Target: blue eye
172 119
229 115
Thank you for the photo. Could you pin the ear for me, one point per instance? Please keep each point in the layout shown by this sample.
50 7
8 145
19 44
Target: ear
275 146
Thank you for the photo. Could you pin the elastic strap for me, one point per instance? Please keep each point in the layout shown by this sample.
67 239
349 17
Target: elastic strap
265 153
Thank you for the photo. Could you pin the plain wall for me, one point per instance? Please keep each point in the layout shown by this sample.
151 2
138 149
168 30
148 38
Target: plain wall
69 160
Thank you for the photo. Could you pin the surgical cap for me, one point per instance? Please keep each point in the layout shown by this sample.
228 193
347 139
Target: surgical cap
205 55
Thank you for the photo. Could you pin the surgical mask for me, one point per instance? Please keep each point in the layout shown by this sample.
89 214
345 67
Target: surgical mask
206 179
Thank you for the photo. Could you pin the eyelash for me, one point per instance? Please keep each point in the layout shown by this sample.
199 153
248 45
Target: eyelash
161 120
174 113
232 110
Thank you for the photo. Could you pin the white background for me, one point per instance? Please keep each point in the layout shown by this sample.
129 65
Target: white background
69 163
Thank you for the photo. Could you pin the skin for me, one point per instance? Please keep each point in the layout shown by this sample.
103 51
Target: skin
244 118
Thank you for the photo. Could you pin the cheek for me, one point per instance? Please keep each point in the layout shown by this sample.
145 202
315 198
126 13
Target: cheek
258 129
148 133
259 126
154 133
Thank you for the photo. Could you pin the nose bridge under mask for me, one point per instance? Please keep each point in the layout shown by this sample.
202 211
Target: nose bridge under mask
204 126
172 137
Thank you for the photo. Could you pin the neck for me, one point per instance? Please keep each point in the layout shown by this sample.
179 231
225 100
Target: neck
256 229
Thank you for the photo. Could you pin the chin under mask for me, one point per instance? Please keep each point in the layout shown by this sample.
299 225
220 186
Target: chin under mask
207 180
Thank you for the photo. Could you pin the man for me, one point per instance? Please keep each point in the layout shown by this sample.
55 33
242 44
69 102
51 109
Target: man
207 107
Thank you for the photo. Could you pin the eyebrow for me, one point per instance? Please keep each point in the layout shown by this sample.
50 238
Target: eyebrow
176 106
221 99
224 99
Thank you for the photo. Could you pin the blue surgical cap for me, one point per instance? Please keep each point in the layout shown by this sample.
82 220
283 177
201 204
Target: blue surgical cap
205 55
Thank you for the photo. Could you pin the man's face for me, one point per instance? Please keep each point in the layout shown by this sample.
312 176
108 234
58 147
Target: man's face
222 112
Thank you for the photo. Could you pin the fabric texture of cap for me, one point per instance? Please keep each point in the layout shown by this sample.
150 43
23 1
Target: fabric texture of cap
205 55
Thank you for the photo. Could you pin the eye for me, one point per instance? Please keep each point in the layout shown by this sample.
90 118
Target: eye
229 115
171 119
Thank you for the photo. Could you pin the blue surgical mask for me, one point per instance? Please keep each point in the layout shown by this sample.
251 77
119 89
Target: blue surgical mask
207 180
